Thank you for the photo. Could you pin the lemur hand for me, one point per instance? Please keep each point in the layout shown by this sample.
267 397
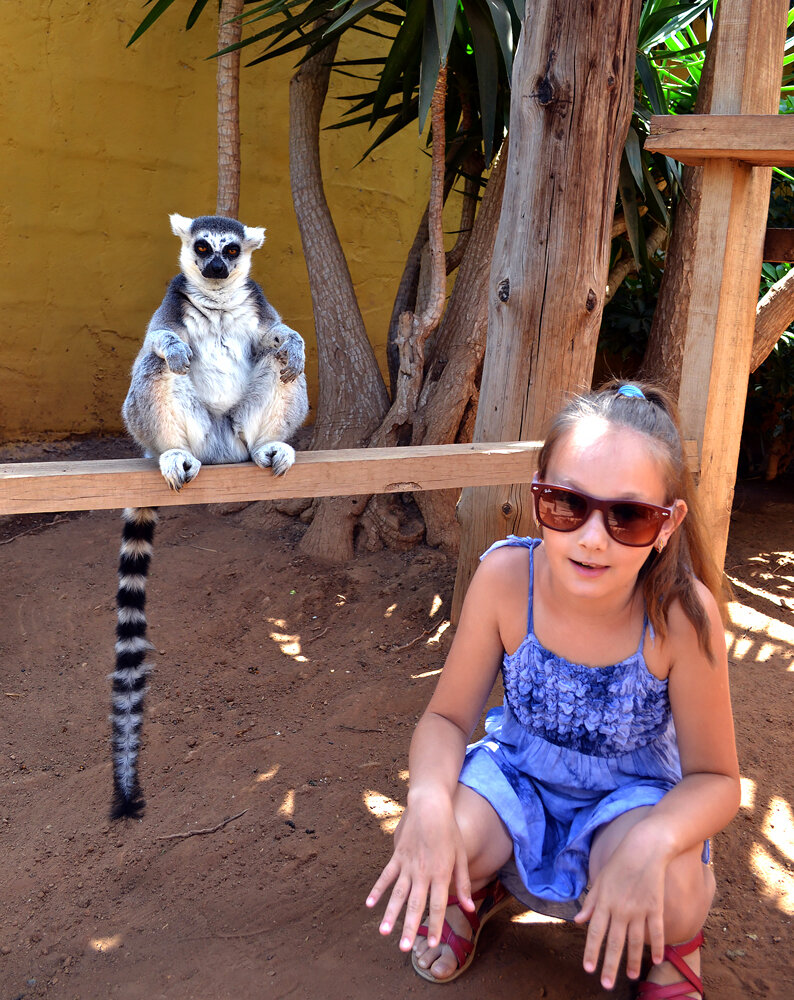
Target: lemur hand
177 355
291 355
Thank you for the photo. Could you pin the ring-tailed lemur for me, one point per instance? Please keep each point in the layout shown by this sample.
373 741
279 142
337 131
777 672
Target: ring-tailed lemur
219 379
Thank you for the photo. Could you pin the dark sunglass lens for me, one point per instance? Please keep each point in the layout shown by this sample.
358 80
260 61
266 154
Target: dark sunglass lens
561 510
633 524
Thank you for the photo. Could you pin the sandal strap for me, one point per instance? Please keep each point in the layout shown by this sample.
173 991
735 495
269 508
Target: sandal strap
492 889
674 991
674 954
461 947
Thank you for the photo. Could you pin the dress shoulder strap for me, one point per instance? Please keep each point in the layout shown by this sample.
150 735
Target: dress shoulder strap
646 628
526 542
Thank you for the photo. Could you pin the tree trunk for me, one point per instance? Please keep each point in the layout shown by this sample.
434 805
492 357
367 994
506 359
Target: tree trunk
228 85
451 387
352 396
383 520
773 316
664 351
415 327
571 104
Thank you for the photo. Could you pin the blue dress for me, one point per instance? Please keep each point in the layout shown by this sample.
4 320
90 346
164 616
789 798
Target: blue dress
571 748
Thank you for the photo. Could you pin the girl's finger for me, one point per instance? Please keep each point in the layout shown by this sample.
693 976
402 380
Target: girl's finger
586 911
385 879
462 881
612 952
595 935
399 894
656 936
635 942
439 894
414 910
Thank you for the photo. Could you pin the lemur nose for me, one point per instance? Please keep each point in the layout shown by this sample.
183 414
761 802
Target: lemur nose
216 269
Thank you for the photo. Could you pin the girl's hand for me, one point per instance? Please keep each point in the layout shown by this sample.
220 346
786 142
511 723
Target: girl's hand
428 856
625 903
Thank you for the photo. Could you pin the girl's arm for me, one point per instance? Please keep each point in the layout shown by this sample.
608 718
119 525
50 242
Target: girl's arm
624 900
428 852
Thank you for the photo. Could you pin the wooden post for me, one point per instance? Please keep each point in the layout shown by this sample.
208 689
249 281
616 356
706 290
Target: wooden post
573 81
727 266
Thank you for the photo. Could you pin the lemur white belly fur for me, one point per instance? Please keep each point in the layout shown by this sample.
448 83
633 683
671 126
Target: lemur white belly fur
219 378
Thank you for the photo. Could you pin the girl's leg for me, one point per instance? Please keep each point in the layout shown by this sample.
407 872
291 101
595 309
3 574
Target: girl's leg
689 890
488 848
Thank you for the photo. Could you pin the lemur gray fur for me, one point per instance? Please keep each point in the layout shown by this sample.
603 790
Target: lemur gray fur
219 379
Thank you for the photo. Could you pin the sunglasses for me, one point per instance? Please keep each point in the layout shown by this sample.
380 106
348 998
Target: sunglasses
629 522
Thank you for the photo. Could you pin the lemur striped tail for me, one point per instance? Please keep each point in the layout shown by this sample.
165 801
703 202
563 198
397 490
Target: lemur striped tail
132 646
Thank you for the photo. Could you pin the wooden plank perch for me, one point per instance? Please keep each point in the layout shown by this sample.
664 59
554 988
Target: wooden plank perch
760 140
103 485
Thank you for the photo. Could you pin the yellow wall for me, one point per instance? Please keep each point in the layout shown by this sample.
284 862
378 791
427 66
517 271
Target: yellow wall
101 144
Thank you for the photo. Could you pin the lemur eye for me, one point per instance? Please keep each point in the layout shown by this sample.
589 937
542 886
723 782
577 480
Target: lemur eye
232 250
201 248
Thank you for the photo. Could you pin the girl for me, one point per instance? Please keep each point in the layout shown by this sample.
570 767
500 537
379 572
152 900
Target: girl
612 760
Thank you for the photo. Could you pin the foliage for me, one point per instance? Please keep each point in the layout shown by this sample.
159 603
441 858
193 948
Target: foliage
476 40
768 435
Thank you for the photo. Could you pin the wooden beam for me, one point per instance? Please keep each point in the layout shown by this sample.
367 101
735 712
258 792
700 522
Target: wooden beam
104 485
731 224
761 140
779 246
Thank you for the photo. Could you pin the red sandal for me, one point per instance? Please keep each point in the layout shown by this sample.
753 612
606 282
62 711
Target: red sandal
674 953
494 897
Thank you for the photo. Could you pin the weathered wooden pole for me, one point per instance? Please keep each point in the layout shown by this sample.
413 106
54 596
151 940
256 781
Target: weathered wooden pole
573 81
729 240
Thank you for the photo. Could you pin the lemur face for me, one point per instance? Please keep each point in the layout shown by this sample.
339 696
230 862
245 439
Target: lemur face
215 248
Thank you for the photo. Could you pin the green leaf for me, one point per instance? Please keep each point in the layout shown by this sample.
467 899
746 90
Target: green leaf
650 186
486 57
628 197
356 12
634 157
195 13
503 26
156 12
402 54
428 71
651 84
445 12
667 21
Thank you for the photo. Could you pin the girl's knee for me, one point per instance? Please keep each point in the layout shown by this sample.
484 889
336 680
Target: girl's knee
689 890
486 841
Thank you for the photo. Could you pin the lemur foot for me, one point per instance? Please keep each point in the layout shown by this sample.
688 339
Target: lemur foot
178 467
276 455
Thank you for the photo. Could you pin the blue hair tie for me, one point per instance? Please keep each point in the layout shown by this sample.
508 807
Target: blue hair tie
631 391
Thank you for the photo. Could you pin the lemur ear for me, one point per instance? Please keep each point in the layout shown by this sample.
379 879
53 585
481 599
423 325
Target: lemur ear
180 225
254 237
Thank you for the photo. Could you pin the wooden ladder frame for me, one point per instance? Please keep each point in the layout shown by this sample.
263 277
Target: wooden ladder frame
736 145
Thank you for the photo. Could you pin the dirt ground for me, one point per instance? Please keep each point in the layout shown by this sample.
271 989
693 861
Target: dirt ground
284 696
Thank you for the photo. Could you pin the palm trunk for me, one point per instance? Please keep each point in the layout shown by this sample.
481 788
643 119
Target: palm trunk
451 388
228 84
352 396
